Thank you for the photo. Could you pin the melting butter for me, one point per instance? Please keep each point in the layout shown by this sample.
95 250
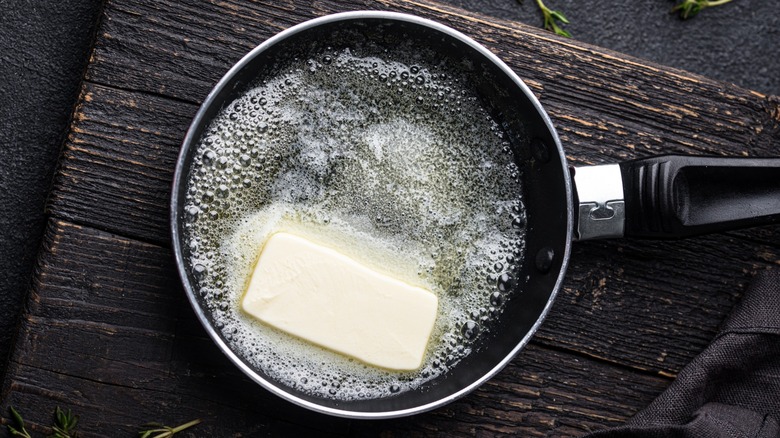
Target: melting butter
324 297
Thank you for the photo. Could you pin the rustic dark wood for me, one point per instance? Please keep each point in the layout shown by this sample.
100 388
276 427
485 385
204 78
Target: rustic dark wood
109 334
118 162
652 305
607 105
117 166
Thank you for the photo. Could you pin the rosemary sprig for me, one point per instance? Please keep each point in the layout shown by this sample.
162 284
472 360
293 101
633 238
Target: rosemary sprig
164 431
64 424
19 430
689 8
552 18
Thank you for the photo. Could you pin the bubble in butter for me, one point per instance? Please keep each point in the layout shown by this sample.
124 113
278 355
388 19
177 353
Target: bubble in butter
326 298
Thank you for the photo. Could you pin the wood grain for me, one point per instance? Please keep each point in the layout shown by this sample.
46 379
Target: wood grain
117 165
607 105
109 334
653 305
650 305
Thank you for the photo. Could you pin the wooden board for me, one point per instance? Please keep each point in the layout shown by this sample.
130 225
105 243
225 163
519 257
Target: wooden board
108 333
118 162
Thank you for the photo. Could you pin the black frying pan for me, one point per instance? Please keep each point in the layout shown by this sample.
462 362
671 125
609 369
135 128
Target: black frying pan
664 197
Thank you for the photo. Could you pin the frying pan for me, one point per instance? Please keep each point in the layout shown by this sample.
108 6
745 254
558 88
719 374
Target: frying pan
663 197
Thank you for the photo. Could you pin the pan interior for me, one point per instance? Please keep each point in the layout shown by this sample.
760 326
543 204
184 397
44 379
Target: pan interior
262 159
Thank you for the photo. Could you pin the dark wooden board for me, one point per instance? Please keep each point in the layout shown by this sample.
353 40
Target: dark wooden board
652 305
109 334
620 296
607 105
117 165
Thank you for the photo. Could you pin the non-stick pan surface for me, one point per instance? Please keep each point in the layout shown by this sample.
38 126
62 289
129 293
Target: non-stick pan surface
537 151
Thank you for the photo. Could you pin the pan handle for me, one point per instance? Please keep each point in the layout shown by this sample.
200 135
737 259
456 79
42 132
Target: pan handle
676 196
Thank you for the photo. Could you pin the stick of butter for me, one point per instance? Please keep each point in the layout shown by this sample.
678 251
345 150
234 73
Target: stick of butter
328 299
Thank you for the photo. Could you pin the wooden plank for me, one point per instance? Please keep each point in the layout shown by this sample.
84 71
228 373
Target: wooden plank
129 350
109 332
654 305
650 306
541 393
607 105
620 297
181 49
116 168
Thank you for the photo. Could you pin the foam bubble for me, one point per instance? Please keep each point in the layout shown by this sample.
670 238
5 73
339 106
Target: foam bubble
381 156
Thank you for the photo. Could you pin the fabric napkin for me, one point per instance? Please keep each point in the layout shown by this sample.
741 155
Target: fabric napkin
731 389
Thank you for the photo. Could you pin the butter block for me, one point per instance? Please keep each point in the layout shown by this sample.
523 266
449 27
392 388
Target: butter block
326 298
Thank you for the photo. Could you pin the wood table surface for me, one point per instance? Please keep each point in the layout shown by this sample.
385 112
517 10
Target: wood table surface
108 333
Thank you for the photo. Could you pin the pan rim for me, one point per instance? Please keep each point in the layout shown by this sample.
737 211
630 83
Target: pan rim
179 180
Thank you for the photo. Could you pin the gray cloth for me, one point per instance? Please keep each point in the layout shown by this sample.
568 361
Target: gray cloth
731 389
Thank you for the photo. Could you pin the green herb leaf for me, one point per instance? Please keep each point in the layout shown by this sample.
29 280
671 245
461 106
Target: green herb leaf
19 430
690 8
552 18
65 424
164 431
559 16
561 32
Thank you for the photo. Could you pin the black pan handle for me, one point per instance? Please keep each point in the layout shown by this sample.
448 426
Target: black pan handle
677 196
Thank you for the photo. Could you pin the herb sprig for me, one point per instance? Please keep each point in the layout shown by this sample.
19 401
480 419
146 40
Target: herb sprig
65 424
164 431
552 18
19 430
685 8
689 8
